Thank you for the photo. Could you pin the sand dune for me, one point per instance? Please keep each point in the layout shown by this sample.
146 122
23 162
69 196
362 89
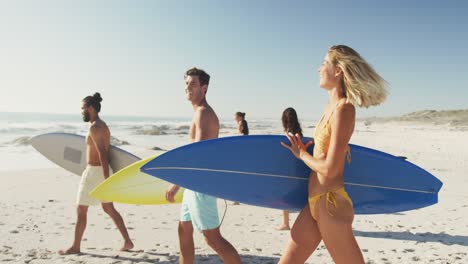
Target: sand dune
449 117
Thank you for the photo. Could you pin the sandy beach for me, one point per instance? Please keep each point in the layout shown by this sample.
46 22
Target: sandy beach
37 213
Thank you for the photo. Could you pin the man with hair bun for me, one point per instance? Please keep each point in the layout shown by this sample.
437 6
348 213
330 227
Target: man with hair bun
97 170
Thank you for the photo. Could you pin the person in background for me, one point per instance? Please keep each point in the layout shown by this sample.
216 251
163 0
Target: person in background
242 126
242 129
290 125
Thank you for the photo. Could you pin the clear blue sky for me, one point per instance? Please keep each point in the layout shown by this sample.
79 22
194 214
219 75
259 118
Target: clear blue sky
262 55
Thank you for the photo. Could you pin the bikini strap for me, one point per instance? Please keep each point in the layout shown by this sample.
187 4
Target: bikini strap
333 111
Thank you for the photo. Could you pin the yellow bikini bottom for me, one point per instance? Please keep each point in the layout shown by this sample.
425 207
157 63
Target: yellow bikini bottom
331 199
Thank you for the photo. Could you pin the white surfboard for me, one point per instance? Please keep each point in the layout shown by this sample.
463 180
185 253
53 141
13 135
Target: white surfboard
69 152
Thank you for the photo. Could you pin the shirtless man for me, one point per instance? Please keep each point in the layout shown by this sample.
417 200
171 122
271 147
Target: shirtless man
200 210
98 169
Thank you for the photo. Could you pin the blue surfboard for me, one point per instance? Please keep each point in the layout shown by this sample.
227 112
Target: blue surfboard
257 170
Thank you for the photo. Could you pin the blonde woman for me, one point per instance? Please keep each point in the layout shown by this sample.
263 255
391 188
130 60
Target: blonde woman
350 81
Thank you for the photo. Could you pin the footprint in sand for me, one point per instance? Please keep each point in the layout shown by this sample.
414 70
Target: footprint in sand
31 253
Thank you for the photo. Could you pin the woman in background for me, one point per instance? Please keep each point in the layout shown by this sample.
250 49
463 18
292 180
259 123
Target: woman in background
290 125
242 127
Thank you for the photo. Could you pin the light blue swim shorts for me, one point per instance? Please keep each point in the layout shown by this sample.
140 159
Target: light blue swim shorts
200 209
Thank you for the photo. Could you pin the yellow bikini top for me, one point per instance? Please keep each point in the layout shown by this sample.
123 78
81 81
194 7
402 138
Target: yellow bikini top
322 135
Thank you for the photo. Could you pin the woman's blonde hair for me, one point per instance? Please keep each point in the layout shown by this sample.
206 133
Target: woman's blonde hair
362 85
